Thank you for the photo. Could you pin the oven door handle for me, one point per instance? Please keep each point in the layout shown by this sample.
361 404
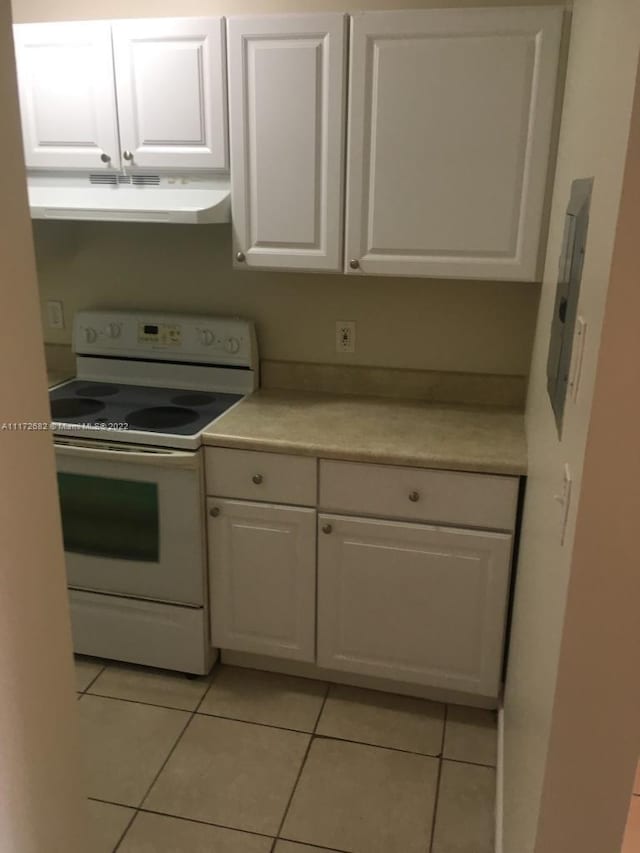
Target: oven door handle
128 453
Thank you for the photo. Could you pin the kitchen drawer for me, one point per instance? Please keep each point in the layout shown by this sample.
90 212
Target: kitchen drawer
441 497
252 475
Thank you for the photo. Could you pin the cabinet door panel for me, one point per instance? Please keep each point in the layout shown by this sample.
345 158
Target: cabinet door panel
286 103
414 603
170 76
67 95
450 127
263 578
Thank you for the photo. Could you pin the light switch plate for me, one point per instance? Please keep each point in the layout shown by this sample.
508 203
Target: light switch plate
564 499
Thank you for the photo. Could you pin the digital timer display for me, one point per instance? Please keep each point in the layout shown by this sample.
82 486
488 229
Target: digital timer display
160 334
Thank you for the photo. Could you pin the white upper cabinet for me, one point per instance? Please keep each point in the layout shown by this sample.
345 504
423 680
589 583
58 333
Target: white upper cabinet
450 126
67 95
287 116
171 86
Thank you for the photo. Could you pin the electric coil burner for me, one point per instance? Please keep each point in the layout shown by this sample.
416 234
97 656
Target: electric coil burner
128 437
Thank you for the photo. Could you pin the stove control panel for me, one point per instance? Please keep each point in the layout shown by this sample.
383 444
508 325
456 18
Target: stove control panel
166 337
160 334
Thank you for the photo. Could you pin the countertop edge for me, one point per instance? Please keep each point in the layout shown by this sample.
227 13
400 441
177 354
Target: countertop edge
372 457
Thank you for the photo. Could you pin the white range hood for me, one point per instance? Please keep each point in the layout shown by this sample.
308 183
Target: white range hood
129 198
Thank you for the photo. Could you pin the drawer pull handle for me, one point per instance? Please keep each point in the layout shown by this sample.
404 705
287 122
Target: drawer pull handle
214 512
327 528
414 497
257 479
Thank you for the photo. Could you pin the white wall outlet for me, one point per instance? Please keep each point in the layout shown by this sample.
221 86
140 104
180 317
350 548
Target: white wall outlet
55 314
345 336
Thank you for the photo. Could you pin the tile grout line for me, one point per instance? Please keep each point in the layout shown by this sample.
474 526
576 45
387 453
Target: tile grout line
302 766
312 846
142 810
163 765
150 704
200 822
226 826
126 830
93 680
289 729
432 839
432 836
313 735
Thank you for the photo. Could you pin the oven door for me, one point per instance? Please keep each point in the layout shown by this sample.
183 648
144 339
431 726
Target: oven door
132 520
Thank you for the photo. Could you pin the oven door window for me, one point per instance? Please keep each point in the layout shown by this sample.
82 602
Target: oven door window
106 517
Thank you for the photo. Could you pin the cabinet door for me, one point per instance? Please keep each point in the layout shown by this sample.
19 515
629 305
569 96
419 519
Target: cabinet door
450 126
262 570
67 95
286 113
414 603
171 84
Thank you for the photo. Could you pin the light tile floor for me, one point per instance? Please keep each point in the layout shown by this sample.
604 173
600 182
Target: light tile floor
252 762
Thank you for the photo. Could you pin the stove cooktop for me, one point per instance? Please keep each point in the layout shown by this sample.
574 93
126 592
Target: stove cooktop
80 405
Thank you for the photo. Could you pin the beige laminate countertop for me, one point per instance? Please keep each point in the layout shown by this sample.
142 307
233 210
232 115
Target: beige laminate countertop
371 429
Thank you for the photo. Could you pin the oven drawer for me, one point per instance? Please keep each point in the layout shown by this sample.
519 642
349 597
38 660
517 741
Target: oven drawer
256 476
143 632
418 494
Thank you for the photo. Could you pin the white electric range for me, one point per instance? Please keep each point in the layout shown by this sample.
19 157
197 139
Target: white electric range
128 439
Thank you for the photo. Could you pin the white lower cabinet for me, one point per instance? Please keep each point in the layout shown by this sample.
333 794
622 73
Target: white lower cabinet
262 560
412 602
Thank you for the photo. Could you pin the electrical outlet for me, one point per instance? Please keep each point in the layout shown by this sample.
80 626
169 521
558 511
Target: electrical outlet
345 336
55 314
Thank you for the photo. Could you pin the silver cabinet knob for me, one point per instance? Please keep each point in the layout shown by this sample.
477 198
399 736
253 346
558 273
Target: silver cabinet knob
354 263
414 497
257 479
214 512
105 157
327 528
128 155
240 258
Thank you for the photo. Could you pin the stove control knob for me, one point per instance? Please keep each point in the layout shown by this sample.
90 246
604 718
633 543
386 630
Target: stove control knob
113 330
90 335
232 345
206 337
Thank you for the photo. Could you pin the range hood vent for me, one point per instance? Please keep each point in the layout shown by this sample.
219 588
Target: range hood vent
145 180
108 196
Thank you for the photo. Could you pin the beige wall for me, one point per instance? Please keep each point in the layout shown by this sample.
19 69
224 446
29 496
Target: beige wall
597 698
54 10
439 325
40 796
475 326
593 142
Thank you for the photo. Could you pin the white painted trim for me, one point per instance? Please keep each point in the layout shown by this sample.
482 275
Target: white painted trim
500 783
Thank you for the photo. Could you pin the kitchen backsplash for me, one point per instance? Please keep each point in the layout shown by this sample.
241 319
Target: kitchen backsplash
419 324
